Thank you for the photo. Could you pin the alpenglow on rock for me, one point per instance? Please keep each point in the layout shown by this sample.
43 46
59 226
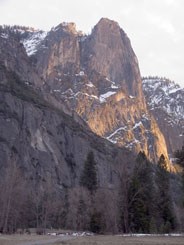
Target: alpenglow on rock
96 77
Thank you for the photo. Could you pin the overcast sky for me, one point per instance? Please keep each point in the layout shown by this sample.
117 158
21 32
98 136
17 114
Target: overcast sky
155 27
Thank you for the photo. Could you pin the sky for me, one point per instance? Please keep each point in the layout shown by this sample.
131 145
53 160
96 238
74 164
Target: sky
155 27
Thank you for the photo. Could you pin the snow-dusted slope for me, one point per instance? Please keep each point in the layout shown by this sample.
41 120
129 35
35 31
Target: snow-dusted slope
31 38
32 42
165 99
165 94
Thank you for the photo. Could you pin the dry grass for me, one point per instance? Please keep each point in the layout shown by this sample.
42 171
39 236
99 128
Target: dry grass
92 240
119 240
28 239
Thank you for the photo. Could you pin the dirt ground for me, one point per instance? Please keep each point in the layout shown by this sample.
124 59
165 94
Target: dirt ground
91 240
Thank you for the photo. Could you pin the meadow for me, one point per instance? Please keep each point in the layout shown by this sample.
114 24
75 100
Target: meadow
89 240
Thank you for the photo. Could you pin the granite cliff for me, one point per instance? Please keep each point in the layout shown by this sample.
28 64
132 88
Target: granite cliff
93 81
73 115
98 77
45 142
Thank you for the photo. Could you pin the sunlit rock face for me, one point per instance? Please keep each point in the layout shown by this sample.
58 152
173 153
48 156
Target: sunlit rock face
98 77
108 51
94 77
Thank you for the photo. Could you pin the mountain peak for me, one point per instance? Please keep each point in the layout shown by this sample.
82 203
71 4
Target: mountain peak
67 26
106 21
107 25
112 56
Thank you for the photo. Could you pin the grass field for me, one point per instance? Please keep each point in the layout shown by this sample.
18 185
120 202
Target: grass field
118 240
31 239
92 240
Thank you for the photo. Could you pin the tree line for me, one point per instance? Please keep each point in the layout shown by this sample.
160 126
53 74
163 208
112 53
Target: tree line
141 203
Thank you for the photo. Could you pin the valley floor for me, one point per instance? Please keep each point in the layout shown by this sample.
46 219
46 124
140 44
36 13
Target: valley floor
89 240
33 240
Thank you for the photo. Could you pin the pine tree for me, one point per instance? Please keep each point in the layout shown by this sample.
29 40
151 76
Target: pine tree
153 226
179 154
140 195
96 222
164 202
89 175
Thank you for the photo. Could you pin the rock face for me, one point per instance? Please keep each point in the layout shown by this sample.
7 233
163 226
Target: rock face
47 143
94 77
59 52
98 77
14 58
166 101
108 51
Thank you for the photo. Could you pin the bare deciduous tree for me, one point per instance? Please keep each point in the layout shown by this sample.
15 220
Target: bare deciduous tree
12 189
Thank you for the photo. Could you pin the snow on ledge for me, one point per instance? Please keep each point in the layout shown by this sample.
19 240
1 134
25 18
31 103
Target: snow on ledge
137 125
90 85
115 132
103 97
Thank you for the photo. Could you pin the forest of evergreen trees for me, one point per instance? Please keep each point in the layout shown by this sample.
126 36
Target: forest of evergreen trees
144 202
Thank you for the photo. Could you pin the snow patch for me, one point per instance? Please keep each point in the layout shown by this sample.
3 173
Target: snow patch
114 86
88 95
68 91
56 90
131 97
130 145
75 234
103 97
115 132
137 125
108 79
165 94
31 43
145 117
81 73
90 85
5 36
